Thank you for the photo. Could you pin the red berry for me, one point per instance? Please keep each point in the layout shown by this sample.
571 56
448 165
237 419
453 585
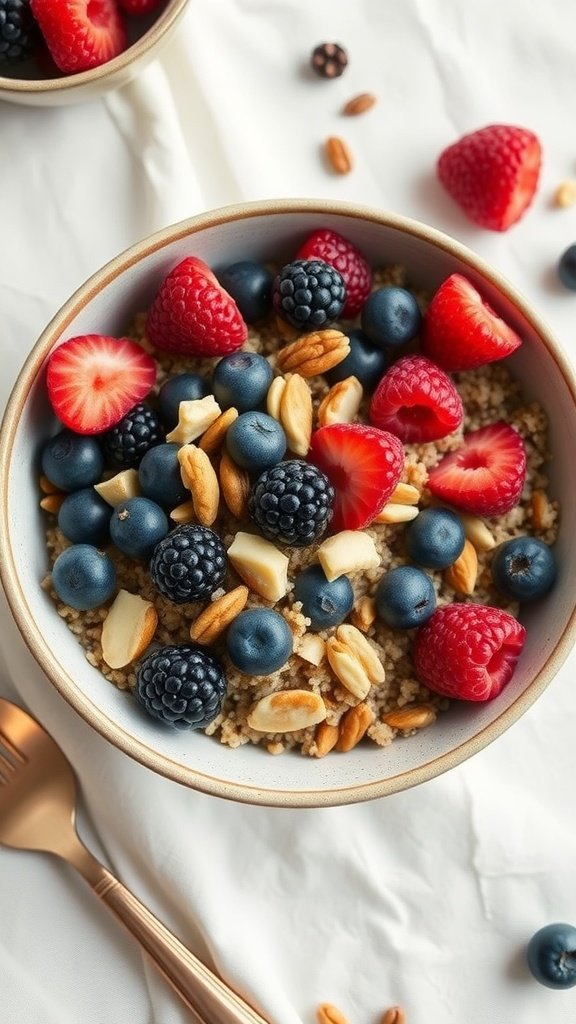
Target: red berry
417 401
138 7
492 173
363 464
460 331
80 34
468 651
193 315
94 380
485 475
341 254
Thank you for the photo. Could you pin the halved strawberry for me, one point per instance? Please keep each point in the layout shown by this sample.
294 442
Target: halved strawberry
486 475
81 34
461 331
93 380
363 464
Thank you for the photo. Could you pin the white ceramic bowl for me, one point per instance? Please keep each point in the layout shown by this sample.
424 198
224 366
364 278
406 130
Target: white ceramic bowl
21 83
106 304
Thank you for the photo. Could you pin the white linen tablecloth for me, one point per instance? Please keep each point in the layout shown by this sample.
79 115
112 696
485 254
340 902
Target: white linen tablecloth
427 898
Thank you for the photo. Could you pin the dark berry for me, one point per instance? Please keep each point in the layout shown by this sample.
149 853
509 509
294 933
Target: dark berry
405 597
71 461
137 525
182 686
84 517
567 268
435 539
328 60
309 294
364 361
160 477
551 955
259 641
292 503
325 603
523 568
250 285
18 30
391 316
83 577
184 387
241 380
189 564
126 443
255 441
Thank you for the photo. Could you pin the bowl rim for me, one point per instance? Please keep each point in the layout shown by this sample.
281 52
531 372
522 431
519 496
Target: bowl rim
141 46
136 749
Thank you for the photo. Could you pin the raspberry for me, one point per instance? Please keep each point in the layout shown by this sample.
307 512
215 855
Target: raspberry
308 294
181 685
341 254
292 503
468 651
417 401
80 34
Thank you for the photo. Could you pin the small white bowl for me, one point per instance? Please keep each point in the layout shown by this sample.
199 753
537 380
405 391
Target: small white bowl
147 35
106 304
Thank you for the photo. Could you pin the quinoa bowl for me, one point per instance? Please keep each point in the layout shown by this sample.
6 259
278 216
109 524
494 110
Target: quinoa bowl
535 388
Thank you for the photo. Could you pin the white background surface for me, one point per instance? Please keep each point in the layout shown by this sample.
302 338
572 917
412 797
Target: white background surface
427 898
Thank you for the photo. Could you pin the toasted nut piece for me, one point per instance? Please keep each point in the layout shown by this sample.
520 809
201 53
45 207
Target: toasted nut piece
296 414
128 629
338 154
199 476
395 1015
184 513
235 485
47 487
405 494
367 656
122 487
412 716
463 573
213 439
314 353
565 194
359 104
542 511
52 502
328 1014
348 551
364 613
342 402
287 711
312 648
261 565
477 532
353 726
392 513
274 397
347 668
325 739
218 616
194 418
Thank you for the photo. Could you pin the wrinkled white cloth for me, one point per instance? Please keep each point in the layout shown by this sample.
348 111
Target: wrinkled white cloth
426 898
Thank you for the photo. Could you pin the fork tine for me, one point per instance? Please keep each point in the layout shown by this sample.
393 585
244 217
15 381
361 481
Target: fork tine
6 766
16 754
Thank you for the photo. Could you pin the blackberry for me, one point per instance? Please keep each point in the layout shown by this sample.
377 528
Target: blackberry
328 60
309 294
18 30
189 564
292 503
181 685
139 430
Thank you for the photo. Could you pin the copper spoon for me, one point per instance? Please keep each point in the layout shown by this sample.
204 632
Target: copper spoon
37 812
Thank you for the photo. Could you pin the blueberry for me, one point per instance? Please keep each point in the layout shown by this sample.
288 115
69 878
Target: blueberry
242 380
523 568
250 285
567 268
324 603
551 955
83 577
259 641
435 538
160 478
364 361
184 387
405 597
391 316
71 461
255 441
84 517
137 525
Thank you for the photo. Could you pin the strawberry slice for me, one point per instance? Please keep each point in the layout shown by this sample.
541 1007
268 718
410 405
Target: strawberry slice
94 380
363 464
486 475
192 314
461 331
81 34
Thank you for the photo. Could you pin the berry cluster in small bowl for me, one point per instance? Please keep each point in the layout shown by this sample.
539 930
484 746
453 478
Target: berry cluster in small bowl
299 506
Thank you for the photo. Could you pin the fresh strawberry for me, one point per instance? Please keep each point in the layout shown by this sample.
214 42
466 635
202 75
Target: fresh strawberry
138 7
363 464
485 475
468 651
93 381
193 315
492 173
341 254
417 401
461 332
81 34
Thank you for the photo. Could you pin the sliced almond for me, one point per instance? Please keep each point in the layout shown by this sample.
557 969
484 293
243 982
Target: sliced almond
477 531
128 629
353 727
405 494
261 565
392 513
296 414
217 616
312 648
235 486
359 645
184 513
194 418
51 503
213 439
199 476
342 403
414 716
364 613
347 668
287 711
122 487
463 573
325 739
347 552
274 397
565 194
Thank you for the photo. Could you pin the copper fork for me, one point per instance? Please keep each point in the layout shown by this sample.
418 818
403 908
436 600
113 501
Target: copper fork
37 812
